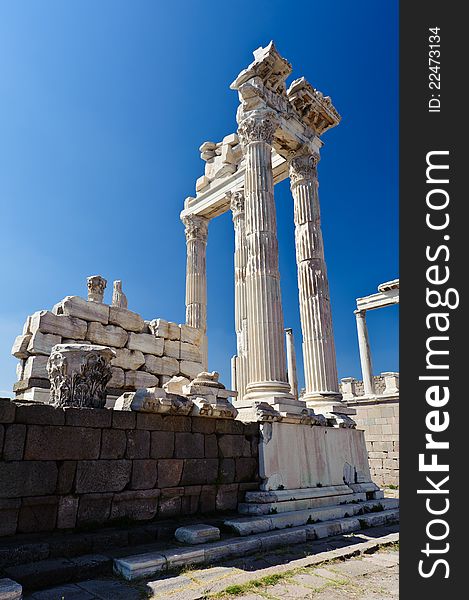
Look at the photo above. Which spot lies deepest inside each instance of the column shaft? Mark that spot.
(291, 363)
(196, 277)
(319, 356)
(365, 353)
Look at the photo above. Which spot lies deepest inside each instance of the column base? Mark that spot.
(269, 391)
(327, 402)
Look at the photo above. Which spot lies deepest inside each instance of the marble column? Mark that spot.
(267, 365)
(319, 356)
(240, 262)
(196, 277)
(291, 362)
(365, 353)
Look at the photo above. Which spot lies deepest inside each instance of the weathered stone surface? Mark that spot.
(227, 497)
(231, 445)
(27, 478)
(246, 469)
(7, 410)
(162, 444)
(190, 352)
(94, 509)
(123, 420)
(190, 369)
(165, 329)
(161, 365)
(169, 472)
(170, 503)
(9, 511)
(146, 343)
(126, 319)
(39, 414)
(74, 306)
(136, 505)
(42, 343)
(199, 471)
(226, 471)
(176, 385)
(102, 476)
(67, 512)
(13, 446)
(36, 366)
(130, 360)
(211, 446)
(201, 425)
(172, 348)
(197, 534)
(38, 514)
(113, 443)
(20, 370)
(10, 590)
(20, 346)
(107, 335)
(66, 476)
(140, 379)
(117, 380)
(88, 417)
(45, 442)
(138, 444)
(191, 335)
(144, 474)
(69, 327)
(189, 445)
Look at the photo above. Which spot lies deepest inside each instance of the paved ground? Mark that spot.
(323, 570)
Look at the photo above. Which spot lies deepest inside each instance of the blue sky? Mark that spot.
(104, 105)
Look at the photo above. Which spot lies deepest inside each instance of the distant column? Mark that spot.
(291, 362)
(365, 353)
(196, 277)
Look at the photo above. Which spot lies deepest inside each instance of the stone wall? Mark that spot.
(360, 389)
(380, 421)
(148, 353)
(73, 468)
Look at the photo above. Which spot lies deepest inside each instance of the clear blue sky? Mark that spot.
(103, 108)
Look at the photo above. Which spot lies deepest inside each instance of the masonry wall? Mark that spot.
(73, 468)
(380, 421)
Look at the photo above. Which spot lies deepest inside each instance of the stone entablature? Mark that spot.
(147, 353)
(63, 468)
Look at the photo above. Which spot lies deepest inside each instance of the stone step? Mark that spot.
(258, 524)
(270, 508)
(259, 497)
(159, 563)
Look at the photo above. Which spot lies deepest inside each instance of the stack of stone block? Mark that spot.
(148, 353)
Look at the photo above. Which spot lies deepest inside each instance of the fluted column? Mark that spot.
(267, 368)
(319, 356)
(365, 352)
(240, 262)
(291, 362)
(196, 277)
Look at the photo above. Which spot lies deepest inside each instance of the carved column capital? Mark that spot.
(96, 286)
(237, 203)
(196, 228)
(303, 168)
(258, 128)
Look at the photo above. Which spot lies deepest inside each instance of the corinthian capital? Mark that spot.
(237, 204)
(196, 227)
(303, 168)
(258, 128)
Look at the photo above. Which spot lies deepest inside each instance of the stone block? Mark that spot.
(146, 343)
(20, 370)
(227, 470)
(161, 365)
(66, 476)
(20, 346)
(9, 511)
(74, 306)
(138, 444)
(189, 352)
(246, 469)
(13, 447)
(123, 419)
(39, 414)
(169, 472)
(113, 443)
(197, 534)
(189, 445)
(207, 498)
(189, 505)
(106, 335)
(102, 476)
(139, 566)
(117, 380)
(45, 442)
(211, 446)
(192, 335)
(63, 325)
(35, 366)
(38, 514)
(190, 369)
(88, 417)
(136, 505)
(227, 497)
(94, 509)
(129, 360)
(162, 444)
(165, 329)
(199, 471)
(203, 425)
(10, 590)
(139, 379)
(163, 422)
(172, 348)
(7, 410)
(169, 506)
(231, 445)
(144, 474)
(126, 319)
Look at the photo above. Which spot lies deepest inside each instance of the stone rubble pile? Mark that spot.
(148, 353)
